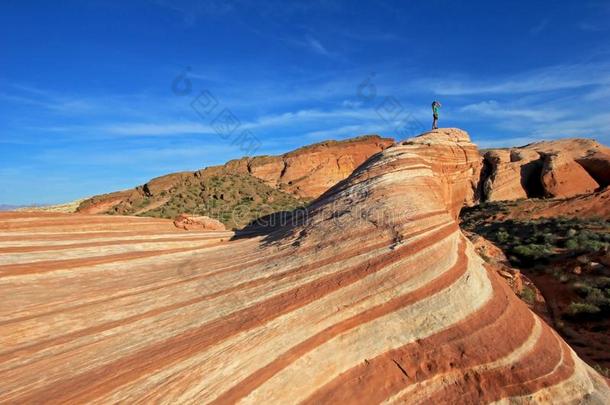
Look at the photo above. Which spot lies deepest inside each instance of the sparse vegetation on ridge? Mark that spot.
(233, 199)
(566, 258)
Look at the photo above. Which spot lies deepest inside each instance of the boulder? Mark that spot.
(201, 223)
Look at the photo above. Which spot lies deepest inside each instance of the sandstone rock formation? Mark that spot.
(192, 222)
(302, 174)
(562, 168)
(563, 177)
(311, 170)
(375, 296)
(508, 172)
(597, 164)
(495, 259)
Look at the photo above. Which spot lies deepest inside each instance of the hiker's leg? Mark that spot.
(434, 123)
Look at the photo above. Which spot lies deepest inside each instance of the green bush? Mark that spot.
(548, 238)
(597, 297)
(572, 244)
(586, 242)
(533, 251)
(580, 308)
(502, 236)
(602, 282)
(528, 294)
(582, 289)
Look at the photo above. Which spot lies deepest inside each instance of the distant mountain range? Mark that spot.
(10, 207)
(70, 206)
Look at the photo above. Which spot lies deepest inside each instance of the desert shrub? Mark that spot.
(592, 245)
(572, 244)
(582, 288)
(502, 236)
(602, 282)
(581, 308)
(528, 294)
(532, 251)
(586, 241)
(549, 238)
(598, 298)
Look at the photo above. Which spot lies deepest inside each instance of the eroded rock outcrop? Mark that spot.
(563, 177)
(511, 174)
(300, 175)
(373, 296)
(558, 169)
(309, 171)
(597, 164)
(194, 222)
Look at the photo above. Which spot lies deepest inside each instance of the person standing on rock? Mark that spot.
(435, 107)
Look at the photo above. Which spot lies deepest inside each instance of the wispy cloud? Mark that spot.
(541, 26)
(591, 27)
(50, 102)
(345, 131)
(311, 115)
(317, 46)
(541, 80)
(146, 129)
(191, 11)
(495, 110)
(361, 35)
(596, 125)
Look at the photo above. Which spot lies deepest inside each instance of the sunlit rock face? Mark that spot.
(372, 296)
(304, 173)
(557, 169)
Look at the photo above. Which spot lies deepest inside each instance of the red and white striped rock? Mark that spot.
(376, 297)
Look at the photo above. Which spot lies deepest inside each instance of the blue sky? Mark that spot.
(97, 96)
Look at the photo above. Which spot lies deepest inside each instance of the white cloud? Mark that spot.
(63, 105)
(344, 131)
(315, 115)
(600, 93)
(589, 26)
(595, 125)
(493, 109)
(317, 46)
(541, 26)
(136, 129)
(541, 80)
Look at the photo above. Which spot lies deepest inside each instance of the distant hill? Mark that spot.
(65, 207)
(243, 189)
(9, 207)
